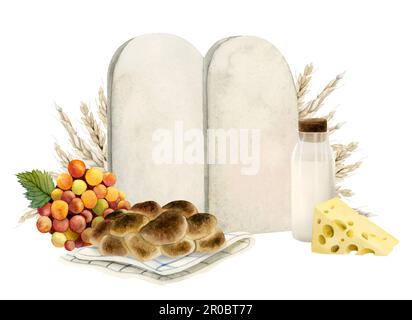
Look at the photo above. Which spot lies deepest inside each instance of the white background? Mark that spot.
(59, 51)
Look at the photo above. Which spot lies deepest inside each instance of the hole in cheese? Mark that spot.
(365, 235)
(352, 247)
(341, 225)
(322, 240)
(326, 211)
(349, 234)
(332, 207)
(350, 223)
(334, 249)
(384, 239)
(319, 221)
(366, 251)
(328, 231)
(342, 240)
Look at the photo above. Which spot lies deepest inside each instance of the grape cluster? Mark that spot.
(82, 198)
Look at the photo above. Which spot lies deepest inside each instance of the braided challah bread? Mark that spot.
(148, 230)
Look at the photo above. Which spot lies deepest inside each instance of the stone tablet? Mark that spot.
(249, 87)
(155, 83)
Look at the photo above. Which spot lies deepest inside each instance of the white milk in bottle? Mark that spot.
(313, 175)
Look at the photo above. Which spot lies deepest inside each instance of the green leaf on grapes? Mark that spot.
(39, 186)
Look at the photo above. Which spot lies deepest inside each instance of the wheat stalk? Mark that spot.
(102, 111)
(347, 193)
(102, 107)
(54, 175)
(29, 214)
(302, 84)
(330, 115)
(63, 157)
(310, 108)
(97, 136)
(81, 148)
(364, 213)
(342, 152)
(336, 127)
(343, 171)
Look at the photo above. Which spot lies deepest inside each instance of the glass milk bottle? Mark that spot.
(313, 175)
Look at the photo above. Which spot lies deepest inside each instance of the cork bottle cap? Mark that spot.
(313, 125)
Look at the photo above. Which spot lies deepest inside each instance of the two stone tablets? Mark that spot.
(217, 131)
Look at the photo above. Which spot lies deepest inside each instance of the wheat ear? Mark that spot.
(81, 148)
(343, 171)
(29, 214)
(342, 151)
(302, 84)
(102, 107)
(347, 193)
(97, 135)
(336, 127)
(330, 115)
(314, 105)
(364, 213)
(64, 158)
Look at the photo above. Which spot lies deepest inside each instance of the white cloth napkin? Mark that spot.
(162, 269)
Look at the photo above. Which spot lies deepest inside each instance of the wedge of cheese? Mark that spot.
(338, 229)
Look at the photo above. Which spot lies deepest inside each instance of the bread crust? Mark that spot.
(129, 223)
(112, 246)
(211, 243)
(150, 209)
(170, 227)
(99, 231)
(179, 249)
(186, 208)
(200, 225)
(140, 248)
